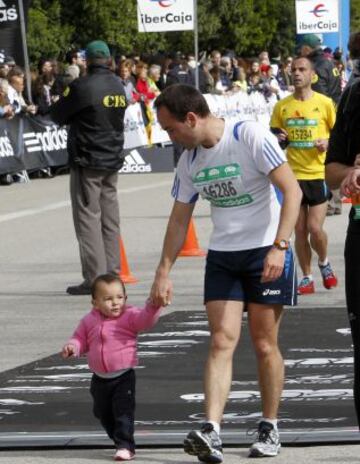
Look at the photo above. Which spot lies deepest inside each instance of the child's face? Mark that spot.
(109, 299)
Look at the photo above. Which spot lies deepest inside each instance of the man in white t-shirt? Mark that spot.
(240, 168)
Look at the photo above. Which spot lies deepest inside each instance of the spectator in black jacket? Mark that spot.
(94, 108)
(343, 170)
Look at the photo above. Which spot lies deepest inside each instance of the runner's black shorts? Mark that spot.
(236, 276)
(315, 192)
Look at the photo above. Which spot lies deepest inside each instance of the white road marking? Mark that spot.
(65, 204)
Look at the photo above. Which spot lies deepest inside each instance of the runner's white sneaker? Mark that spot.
(267, 443)
(205, 444)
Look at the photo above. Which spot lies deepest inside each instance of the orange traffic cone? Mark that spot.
(125, 273)
(191, 244)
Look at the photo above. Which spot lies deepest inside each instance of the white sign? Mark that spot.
(316, 16)
(165, 15)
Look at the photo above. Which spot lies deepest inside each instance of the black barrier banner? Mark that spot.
(34, 142)
(10, 31)
(11, 146)
(146, 160)
(31, 143)
(44, 143)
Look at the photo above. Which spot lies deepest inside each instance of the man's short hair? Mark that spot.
(108, 279)
(354, 45)
(181, 99)
(72, 55)
(297, 58)
(16, 71)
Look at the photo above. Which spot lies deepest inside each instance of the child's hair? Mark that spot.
(108, 279)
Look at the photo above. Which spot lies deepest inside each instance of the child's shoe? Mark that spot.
(124, 454)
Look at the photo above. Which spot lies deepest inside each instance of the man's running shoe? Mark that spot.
(267, 443)
(306, 286)
(205, 444)
(328, 276)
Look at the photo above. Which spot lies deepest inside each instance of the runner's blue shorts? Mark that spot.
(236, 275)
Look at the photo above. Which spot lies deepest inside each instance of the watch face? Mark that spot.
(283, 243)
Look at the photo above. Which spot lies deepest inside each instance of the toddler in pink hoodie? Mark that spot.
(108, 337)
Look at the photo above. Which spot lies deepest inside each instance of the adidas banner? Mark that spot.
(31, 143)
(10, 31)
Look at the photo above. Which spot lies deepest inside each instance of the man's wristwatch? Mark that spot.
(281, 244)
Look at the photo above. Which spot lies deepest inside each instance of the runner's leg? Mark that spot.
(225, 327)
(318, 237)
(302, 245)
(264, 322)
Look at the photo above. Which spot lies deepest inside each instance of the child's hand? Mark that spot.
(68, 351)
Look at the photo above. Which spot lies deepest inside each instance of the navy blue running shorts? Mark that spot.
(315, 192)
(236, 275)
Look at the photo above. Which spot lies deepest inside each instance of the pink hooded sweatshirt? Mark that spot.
(111, 343)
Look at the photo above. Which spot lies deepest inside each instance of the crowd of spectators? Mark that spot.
(145, 76)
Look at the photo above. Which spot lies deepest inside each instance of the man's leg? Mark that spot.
(110, 221)
(303, 252)
(318, 236)
(302, 245)
(85, 189)
(225, 327)
(264, 322)
(319, 241)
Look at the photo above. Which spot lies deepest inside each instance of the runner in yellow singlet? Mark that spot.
(302, 123)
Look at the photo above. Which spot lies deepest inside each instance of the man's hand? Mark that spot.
(351, 183)
(161, 291)
(281, 135)
(273, 265)
(321, 145)
(68, 351)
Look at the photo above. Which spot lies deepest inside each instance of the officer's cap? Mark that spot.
(311, 40)
(97, 49)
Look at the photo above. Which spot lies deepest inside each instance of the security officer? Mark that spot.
(94, 107)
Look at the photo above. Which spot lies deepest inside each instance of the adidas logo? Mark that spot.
(7, 14)
(54, 138)
(135, 163)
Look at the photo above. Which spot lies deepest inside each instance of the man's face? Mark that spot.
(18, 83)
(305, 50)
(215, 59)
(79, 60)
(182, 132)
(124, 72)
(302, 73)
(47, 67)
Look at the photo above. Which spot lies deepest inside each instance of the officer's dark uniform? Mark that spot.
(94, 107)
(327, 76)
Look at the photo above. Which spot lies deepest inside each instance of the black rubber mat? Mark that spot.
(51, 396)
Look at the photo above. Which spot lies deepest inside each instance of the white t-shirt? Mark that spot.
(233, 176)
